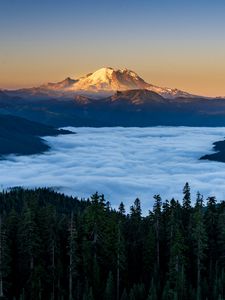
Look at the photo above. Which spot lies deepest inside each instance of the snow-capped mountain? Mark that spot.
(59, 85)
(109, 79)
(103, 82)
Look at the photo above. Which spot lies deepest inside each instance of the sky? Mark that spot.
(178, 44)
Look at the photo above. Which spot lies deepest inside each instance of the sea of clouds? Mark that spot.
(123, 163)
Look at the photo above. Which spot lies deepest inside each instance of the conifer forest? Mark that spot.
(57, 247)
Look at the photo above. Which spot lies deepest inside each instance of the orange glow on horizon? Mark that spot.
(206, 83)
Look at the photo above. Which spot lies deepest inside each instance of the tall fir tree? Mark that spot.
(200, 241)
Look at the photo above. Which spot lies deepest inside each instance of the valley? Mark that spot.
(123, 163)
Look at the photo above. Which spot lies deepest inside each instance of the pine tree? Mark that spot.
(138, 292)
(199, 238)
(94, 226)
(30, 244)
(132, 295)
(187, 197)
(109, 289)
(134, 230)
(124, 295)
(121, 209)
(157, 220)
(135, 210)
(186, 225)
(120, 262)
(221, 250)
(88, 294)
(152, 294)
(211, 225)
(11, 253)
(73, 259)
(166, 294)
(149, 255)
(2, 240)
(176, 274)
(96, 279)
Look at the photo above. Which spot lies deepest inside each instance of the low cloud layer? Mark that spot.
(123, 163)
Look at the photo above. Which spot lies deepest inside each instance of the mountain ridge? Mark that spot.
(24, 137)
(125, 108)
(101, 83)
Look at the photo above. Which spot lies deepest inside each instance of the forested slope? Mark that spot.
(21, 136)
(57, 247)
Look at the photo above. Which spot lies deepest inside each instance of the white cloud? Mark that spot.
(123, 163)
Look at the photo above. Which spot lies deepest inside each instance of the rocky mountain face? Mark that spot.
(137, 97)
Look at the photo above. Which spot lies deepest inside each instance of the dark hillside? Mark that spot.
(21, 136)
(58, 247)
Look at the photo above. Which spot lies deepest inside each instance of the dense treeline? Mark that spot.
(56, 247)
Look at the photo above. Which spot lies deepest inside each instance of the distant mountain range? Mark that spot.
(111, 97)
(103, 82)
(106, 97)
(125, 108)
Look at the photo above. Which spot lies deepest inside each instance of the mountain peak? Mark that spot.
(109, 79)
(103, 82)
(102, 75)
(66, 83)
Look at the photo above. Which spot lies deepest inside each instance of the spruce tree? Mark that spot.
(187, 197)
(211, 218)
(152, 294)
(109, 289)
(199, 239)
(157, 223)
(73, 256)
(124, 295)
(121, 209)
